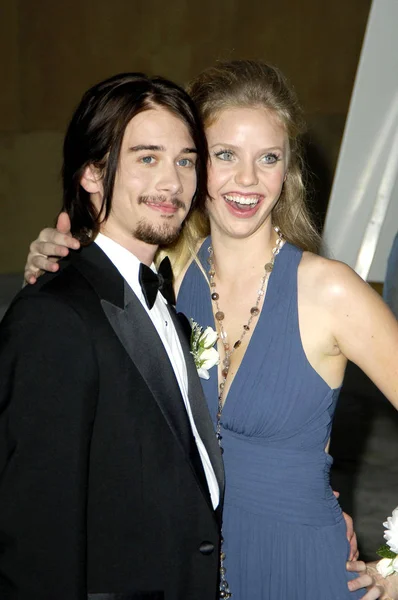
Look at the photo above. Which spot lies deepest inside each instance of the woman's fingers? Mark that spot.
(63, 222)
(57, 238)
(48, 249)
(50, 246)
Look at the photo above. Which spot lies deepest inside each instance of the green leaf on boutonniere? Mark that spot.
(385, 552)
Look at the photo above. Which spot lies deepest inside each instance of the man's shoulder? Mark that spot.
(66, 290)
(84, 279)
(65, 284)
(87, 270)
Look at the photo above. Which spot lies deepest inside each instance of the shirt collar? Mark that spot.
(125, 262)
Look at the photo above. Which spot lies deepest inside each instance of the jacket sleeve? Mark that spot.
(48, 393)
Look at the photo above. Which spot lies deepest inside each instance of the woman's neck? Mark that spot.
(242, 257)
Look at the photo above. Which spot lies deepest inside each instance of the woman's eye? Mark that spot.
(185, 162)
(224, 155)
(270, 159)
(147, 160)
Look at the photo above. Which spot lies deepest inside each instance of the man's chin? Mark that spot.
(156, 236)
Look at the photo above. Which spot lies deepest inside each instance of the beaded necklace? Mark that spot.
(228, 350)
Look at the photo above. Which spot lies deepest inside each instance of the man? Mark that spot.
(110, 470)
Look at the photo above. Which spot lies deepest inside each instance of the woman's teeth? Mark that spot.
(243, 200)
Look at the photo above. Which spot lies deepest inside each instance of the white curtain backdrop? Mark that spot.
(362, 217)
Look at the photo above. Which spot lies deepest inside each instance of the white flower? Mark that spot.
(205, 356)
(385, 567)
(203, 373)
(391, 533)
(389, 563)
(208, 337)
(209, 358)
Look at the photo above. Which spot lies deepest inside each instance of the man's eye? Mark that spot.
(185, 162)
(147, 160)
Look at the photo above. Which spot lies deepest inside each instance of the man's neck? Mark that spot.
(143, 251)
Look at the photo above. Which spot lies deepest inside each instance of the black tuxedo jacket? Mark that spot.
(102, 493)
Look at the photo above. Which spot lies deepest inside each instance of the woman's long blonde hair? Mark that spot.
(252, 84)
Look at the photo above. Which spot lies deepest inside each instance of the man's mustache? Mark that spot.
(160, 200)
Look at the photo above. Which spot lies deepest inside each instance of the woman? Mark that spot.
(288, 321)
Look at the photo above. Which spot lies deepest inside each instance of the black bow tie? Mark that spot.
(152, 283)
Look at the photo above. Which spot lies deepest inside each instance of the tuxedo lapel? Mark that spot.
(138, 336)
(141, 341)
(197, 400)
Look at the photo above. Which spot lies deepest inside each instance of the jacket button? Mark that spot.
(206, 547)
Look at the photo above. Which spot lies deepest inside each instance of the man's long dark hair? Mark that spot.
(95, 134)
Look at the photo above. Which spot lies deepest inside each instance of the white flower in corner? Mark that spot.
(391, 533)
(202, 342)
(389, 563)
(385, 567)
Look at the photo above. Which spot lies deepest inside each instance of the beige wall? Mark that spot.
(52, 51)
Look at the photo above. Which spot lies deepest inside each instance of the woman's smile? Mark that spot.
(243, 205)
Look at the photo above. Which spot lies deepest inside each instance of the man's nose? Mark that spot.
(170, 180)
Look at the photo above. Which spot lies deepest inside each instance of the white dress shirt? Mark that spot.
(128, 266)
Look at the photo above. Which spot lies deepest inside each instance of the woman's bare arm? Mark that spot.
(364, 328)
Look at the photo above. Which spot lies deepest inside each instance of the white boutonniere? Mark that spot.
(389, 563)
(202, 350)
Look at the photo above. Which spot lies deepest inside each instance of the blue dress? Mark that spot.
(285, 536)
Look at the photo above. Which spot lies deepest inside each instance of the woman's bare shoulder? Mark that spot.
(328, 278)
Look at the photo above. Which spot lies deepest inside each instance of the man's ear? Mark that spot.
(91, 180)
